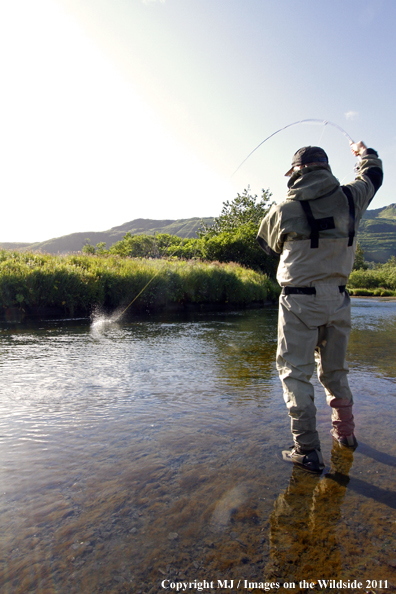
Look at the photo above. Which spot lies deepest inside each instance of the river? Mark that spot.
(138, 455)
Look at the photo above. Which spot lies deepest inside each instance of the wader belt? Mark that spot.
(317, 225)
(306, 290)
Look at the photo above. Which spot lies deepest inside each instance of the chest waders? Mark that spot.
(314, 307)
(322, 324)
(323, 224)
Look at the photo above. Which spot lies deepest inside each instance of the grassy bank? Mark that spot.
(379, 281)
(35, 283)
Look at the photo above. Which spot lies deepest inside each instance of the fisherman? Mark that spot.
(314, 231)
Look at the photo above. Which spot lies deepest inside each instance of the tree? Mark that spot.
(135, 246)
(232, 237)
(241, 211)
(101, 248)
(359, 263)
(88, 248)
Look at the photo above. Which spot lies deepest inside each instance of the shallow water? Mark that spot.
(133, 453)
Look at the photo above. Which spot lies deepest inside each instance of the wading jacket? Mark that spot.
(314, 229)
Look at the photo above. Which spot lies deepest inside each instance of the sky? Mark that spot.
(113, 110)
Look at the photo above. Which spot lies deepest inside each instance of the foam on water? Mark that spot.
(100, 322)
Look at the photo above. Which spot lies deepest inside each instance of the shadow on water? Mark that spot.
(376, 455)
(149, 452)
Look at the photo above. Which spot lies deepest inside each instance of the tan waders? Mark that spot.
(314, 232)
(308, 325)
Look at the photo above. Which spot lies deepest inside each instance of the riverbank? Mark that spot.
(383, 293)
(35, 285)
(374, 282)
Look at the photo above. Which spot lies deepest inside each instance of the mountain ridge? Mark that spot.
(376, 234)
(74, 242)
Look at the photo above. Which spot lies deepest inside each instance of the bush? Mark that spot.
(379, 281)
(231, 238)
(238, 246)
(383, 276)
(77, 284)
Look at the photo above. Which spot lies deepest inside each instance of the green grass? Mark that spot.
(379, 281)
(372, 293)
(77, 284)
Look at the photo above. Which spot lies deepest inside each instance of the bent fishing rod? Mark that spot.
(324, 122)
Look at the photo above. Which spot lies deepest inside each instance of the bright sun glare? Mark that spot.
(81, 149)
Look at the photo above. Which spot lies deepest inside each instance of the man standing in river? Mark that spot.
(314, 231)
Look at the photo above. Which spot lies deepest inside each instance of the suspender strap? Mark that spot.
(351, 204)
(314, 237)
(317, 225)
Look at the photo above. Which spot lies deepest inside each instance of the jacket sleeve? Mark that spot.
(269, 236)
(369, 176)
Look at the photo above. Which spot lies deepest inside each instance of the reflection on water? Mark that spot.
(308, 513)
(133, 453)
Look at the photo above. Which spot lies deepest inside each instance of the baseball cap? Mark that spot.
(308, 154)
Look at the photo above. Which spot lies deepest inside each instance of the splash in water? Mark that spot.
(100, 322)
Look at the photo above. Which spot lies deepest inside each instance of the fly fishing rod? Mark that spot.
(324, 122)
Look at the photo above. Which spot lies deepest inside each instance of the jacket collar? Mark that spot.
(311, 182)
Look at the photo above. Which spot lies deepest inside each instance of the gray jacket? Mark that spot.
(314, 229)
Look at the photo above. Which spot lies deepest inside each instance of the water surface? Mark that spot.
(138, 452)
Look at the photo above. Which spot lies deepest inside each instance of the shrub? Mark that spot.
(79, 283)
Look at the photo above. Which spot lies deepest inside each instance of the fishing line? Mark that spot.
(134, 299)
(324, 122)
(145, 286)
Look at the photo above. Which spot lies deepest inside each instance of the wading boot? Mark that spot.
(311, 461)
(347, 441)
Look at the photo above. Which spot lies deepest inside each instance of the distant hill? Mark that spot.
(376, 234)
(386, 212)
(76, 241)
(14, 246)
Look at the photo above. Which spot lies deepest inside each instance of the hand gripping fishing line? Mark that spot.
(324, 122)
